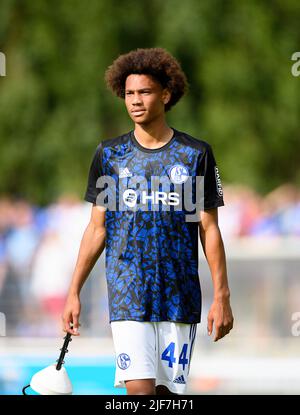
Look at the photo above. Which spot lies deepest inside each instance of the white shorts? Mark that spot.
(153, 350)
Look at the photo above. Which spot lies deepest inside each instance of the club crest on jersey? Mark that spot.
(123, 361)
(178, 174)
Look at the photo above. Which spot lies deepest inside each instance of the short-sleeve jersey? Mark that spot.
(152, 251)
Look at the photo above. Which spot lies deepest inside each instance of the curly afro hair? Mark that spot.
(157, 62)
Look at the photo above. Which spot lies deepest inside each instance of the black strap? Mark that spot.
(23, 390)
(64, 350)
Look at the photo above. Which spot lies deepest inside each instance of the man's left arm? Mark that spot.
(220, 313)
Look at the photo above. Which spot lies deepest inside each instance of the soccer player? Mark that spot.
(151, 244)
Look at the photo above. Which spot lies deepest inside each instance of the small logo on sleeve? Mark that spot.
(123, 361)
(218, 182)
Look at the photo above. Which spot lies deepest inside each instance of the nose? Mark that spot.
(137, 98)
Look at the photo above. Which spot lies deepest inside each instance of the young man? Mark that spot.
(152, 251)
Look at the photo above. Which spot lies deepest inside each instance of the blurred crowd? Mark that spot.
(39, 247)
(38, 250)
(246, 213)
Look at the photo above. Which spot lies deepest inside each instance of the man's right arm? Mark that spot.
(91, 247)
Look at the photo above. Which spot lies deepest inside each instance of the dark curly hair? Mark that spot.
(157, 62)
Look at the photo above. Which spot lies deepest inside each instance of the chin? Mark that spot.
(143, 123)
(140, 120)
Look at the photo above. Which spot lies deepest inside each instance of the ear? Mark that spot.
(166, 96)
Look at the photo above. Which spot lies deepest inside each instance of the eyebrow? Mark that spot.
(139, 90)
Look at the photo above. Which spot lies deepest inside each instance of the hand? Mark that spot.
(220, 315)
(71, 313)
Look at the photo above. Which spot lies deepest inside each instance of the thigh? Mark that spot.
(140, 387)
(175, 345)
(134, 344)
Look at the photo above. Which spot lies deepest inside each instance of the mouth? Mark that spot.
(137, 113)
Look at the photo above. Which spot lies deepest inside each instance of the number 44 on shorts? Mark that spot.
(169, 355)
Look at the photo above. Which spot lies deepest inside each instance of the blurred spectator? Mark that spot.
(242, 209)
(55, 259)
(21, 239)
(51, 272)
(3, 266)
(278, 213)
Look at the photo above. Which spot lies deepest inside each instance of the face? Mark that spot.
(145, 98)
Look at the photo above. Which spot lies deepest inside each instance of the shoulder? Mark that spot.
(115, 141)
(193, 142)
(111, 144)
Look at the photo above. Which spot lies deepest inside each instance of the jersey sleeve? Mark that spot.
(96, 171)
(213, 191)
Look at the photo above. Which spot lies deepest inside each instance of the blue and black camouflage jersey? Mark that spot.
(152, 250)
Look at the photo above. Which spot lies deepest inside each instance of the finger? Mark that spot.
(75, 324)
(218, 333)
(228, 327)
(225, 331)
(63, 324)
(210, 325)
(67, 326)
(222, 332)
(72, 329)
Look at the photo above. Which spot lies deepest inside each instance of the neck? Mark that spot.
(153, 136)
